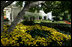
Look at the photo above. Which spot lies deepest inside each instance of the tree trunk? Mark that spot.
(2, 18)
(19, 17)
(16, 20)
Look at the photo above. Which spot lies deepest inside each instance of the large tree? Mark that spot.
(58, 8)
(28, 4)
(3, 5)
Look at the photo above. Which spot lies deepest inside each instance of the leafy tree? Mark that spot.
(40, 17)
(19, 3)
(28, 4)
(58, 8)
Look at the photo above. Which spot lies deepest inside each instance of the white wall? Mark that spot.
(8, 11)
(15, 12)
(48, 15)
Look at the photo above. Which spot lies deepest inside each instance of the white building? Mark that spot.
(48, 15)
(13, 10)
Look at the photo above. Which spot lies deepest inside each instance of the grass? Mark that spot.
(48, 21)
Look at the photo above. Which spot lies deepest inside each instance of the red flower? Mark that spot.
(4, 17)
(67, 22)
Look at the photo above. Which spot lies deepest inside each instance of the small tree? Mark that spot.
(33, 18)
(25, 18)
(40, 17)
(44, 17)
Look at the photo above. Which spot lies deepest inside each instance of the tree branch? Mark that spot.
(2, 4)
(21, 13)
(51, 7)
(36, 3)
(8, 3)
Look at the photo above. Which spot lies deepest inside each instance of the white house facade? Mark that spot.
(12, 11)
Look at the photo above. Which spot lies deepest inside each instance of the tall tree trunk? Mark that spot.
(20, 14)
(19, 17)
(2, 18)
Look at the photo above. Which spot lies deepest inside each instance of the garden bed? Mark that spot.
(61, 26)
(34, 35)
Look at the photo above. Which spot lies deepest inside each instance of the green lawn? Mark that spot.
(39, 21)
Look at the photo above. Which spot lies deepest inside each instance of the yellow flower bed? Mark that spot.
(19, 36)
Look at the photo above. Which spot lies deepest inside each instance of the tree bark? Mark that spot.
(20, 15)
(2, 18)
(5, 4)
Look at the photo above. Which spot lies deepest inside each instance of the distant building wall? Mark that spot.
(15, 12)
(8, 11)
